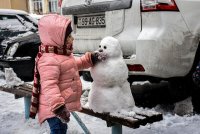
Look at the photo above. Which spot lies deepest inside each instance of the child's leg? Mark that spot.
(56, 126)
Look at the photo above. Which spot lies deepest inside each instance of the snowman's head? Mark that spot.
(111, 47)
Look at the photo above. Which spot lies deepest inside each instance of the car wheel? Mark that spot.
(180, 88)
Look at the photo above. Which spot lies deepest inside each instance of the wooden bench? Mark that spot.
(141, 117)
(25, 91)
(19, 91)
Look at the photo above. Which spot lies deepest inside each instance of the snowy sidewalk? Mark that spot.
(13, 122)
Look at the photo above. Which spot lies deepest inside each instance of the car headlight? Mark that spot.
(11, 51)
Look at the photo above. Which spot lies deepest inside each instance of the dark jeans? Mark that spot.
(56, 126)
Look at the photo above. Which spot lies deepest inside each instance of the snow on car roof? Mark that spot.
(12, 11)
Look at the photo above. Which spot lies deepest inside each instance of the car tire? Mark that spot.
(180, 88)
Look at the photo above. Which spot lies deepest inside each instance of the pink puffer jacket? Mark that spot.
(60, 81)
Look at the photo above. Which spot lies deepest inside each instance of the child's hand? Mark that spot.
(102, 56)
(97, 57)
(94, 57)
(63, 114)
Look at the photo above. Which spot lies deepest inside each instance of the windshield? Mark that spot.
(11, 22)
(28, 21)
(16, 23)
(13, 25)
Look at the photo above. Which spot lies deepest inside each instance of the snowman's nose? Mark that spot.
(100, 50)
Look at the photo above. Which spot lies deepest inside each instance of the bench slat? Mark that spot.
(16, 91)
(129, 121)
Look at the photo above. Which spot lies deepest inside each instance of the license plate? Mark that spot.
(96, 21)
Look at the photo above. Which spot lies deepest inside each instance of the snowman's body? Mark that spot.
(110, 72)
(110, 89)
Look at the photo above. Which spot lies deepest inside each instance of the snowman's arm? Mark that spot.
(84, 61)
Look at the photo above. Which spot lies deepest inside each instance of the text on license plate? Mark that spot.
(97, 21)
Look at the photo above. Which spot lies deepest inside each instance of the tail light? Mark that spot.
(158, 5)
(136, 67)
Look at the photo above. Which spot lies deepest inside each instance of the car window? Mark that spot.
(11, 22)
(30, 23)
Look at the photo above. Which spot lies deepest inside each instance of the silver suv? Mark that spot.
(159, 38)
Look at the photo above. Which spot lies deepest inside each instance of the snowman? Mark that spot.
(110, 89)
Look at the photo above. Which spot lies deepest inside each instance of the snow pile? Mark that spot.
(9, 78)
(184, 107)
(2, 78)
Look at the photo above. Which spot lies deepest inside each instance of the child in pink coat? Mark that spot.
(57, 85)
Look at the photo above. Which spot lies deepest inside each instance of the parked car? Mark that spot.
(36, 16)
(159, 38)
(19, 42)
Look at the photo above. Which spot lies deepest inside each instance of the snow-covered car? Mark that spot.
(159, 38)
(36, 16)
(19, 41)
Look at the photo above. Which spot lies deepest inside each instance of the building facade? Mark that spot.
(43, 6)
(32, 6)
(15, 4)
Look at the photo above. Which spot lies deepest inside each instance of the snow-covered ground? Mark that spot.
(13, 121)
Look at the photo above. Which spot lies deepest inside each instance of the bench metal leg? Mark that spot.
(80, 122)
(117, 129)
(27, 104)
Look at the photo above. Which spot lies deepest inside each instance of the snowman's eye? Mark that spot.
(104, 47)
(99, 46)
